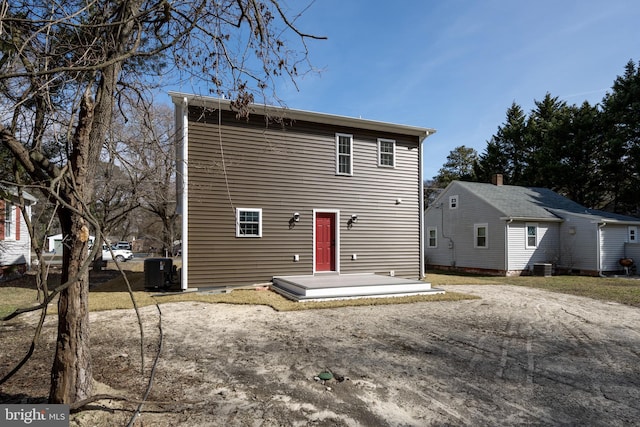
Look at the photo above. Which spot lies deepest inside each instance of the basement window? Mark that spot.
(248, 222)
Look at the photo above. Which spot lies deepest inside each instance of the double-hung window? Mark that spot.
(248, 222)
(432, 237)
(386, 153)
(480, 236)
(633, 234)
(8, 220)
(344, 154)
(532, 235)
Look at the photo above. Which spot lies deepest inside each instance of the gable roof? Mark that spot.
(536, 203)
(11, 192)
(224, 104)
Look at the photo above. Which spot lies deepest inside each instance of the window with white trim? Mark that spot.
(531, 231)
(453, 202)
(633, 234)
(248, 222)
(344, 154)
(386, 153)
(432, 237)
(480, 236)
(8, 220)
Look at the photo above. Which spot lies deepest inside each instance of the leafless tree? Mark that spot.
(65, 66)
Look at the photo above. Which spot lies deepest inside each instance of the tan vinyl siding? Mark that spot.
(292, 169)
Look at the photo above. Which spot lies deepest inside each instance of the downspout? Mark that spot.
(421, 228)
(182, 117)
(598, 256)
(506, 246)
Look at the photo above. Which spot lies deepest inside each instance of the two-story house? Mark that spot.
(290, 192)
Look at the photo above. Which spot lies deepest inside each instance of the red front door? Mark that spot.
(325, 241)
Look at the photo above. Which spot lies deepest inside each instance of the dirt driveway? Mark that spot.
(516, 356)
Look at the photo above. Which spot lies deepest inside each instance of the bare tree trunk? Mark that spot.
(71, 373)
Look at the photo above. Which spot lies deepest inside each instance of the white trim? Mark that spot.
(337, 236)
(337, 139)
(526, 235)
(486, 236)
(249, 236)
(11, 209)
(393, 153)
(182, 119)
(454, 201)
(434, 229)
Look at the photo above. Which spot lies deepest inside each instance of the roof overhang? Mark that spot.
(302, 115)
(530, 219)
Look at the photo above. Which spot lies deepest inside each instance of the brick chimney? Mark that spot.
(496, 179)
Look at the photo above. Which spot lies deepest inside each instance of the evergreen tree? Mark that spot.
(459, 166)
(621, 168)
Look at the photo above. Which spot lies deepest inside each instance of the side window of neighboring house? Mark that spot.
(387, 153)
(344, 154)
(532, 235)
(248, 222)
(8, 221)
(633, 234)
(480, 234)
(453, 202)
(432, 239)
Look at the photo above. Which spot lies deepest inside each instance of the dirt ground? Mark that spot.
(516, 356)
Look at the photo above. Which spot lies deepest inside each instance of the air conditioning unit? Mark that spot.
(159, 274)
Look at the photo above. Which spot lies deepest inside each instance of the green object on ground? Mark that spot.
(325, 376)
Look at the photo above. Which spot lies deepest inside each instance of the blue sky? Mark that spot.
(456, 65)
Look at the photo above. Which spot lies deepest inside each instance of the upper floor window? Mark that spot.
(633, 234)
(387, 153)
(453, 202)
(532, 235)
(481, 236)
(344, 154)
(432, 237)
(248, 222)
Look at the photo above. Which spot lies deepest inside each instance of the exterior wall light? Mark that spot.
(296, 217)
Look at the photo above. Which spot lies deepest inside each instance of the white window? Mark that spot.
(387, 153)
(480, 236)
(344, 154)
(248, 222)
(453, 202)
(432, 237)
(633, 234)
(532, 235)
(8, 221)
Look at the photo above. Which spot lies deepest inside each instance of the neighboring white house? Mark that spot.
(15, 241)
(505, 229)
(54, 243)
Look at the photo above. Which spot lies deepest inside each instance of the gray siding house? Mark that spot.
(15, 240)
(290, 192)
(505, 230)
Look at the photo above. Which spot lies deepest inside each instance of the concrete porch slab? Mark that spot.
(327, 286)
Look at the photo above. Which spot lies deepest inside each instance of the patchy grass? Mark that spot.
(112, 294)
(622, 290)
